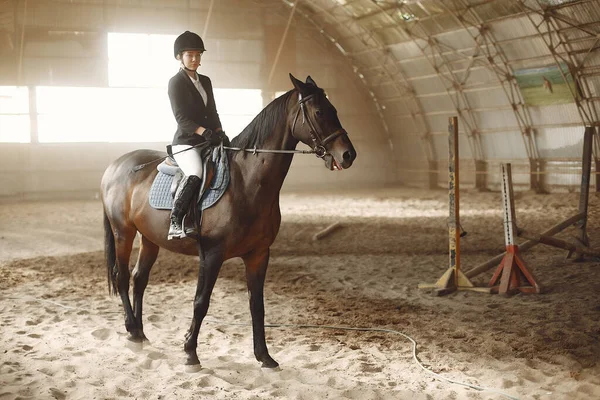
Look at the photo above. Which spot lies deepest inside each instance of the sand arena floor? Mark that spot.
(63, 337)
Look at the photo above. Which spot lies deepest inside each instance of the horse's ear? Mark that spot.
(310, 81)
(299, 85)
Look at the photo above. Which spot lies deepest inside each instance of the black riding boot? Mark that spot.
(188, 187)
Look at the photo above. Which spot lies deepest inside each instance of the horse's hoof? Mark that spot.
(192, 369)
(268, 362)
(192, 359)
(137, 337)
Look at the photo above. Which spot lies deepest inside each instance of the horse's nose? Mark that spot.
(348, 157)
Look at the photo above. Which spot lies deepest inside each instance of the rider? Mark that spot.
(193, 104)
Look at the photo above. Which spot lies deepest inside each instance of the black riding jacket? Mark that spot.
(189, 108)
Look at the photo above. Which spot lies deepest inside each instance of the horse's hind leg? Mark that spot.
(207, 276)
(123, 244)
(256, 271)
(141, 272)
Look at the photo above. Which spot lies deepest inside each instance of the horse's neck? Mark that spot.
(264, 173)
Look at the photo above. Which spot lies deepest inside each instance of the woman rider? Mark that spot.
(193, 104)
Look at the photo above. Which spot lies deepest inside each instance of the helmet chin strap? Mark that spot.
(190, 70)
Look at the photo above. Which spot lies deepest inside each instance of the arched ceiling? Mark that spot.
(424, 60)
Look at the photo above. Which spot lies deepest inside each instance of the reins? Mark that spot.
(318, 143)
(253, 151)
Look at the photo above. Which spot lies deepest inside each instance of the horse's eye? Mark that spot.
(318, 112)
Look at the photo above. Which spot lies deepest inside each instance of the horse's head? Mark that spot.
(320, 127)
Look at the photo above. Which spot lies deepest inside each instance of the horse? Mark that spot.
(243, 223)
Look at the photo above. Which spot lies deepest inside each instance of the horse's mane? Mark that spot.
(263, 124)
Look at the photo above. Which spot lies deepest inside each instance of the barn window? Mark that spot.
(135, 107)
(14, 114)
(92, 114)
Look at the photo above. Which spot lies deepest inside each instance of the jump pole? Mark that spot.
(453, 279)
(579, 219)
(512, 274)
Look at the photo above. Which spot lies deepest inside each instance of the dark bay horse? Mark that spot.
(244, 223)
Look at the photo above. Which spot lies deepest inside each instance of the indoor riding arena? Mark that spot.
(392, 199)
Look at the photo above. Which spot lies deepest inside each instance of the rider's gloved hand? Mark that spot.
(211, 137)
(224, 138)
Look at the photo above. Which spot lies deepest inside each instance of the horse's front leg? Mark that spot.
(256, 271)
(210, 264)
(141, 272)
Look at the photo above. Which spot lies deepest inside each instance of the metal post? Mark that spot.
(586, 169)
(453, 279)
(454, 198)
(510, 220)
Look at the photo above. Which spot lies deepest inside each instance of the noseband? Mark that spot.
(318, 143)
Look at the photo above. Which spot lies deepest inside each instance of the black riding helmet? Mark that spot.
(188, 41)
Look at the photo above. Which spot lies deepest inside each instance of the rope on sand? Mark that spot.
(349, 328)
(343, 328)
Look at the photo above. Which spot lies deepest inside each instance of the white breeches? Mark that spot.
(189, 161)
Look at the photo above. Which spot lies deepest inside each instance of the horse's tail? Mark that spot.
(110, 256)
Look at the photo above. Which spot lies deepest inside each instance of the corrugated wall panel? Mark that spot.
(483, 76)
(391, 35)
(415, 68)
(554, 114)
(565, 142)
(503, 146)
(439, 123)
(412, 165)
(396, 93)
(409, 148)
(400, 125)
(495, 9)
(437, 103)
(440, 142)
(363, 127)
(512, 28)
(405, 50)
(528, 51)
(492, 97)
(587, 12)
(428, 85)
(459, 40)
(496, 120)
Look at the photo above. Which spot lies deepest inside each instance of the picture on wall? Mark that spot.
(543, 86)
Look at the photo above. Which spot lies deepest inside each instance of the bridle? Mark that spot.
(318, 143)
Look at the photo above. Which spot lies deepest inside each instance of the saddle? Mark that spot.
(215, 180)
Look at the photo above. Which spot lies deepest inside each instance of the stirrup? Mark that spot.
(175, 232)
(188, 231)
